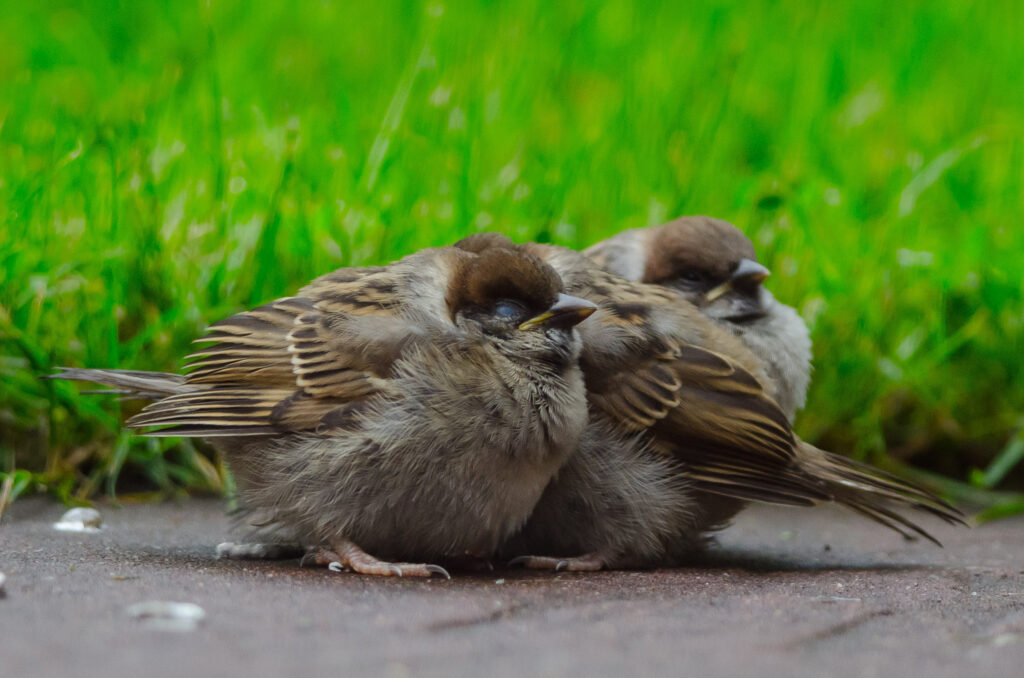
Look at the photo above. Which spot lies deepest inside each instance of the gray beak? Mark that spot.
(750, 270)
(747, 274)
(566, 312)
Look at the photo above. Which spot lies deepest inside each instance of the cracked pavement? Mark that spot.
(787, 592)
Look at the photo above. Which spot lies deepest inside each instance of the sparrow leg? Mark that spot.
(588, 562)
(344, 555)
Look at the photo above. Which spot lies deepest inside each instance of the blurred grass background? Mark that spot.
(165, 164)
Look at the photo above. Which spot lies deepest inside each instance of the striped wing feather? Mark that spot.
(291, 365)
(735, 442)
(710, 411)
(713, 416)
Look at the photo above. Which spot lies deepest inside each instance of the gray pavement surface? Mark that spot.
(788, 592)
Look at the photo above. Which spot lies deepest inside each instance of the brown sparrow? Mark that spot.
(681, 435)
(416, 410)
(712, 264)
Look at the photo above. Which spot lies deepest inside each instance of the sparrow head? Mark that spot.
(712, 264)
(516, 301)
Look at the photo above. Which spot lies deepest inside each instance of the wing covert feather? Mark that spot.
(295, 364)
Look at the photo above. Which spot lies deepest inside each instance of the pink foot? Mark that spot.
(346, 556)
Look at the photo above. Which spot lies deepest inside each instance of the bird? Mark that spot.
(712, 264)
(386, 417)
(682, 435)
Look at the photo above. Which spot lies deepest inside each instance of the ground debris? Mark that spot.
(167, 616)
(80, 519)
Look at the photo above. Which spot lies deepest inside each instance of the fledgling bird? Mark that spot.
(713, 265)
(682, 435)
(416, 411)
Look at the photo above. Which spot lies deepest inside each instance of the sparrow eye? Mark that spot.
(691, 276)
(506, 309)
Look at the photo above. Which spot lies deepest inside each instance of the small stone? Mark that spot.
(1004, 639)
(167, 616)
(80, 520)
(256, 551)
(3, 580)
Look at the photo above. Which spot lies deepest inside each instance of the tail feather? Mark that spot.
(889, 518)
(873, 493)
(879, 483)
(132, 384)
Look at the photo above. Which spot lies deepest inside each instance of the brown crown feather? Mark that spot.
(501, 273)
(696, 243)
(478, 242)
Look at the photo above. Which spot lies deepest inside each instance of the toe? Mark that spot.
(321, 556)
(535, 562)
(584, 563)
(348, 555)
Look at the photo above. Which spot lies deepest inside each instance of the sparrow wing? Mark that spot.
(712, 414)
(708, 408)
(301, 363)
(714, 417)
(647, 370)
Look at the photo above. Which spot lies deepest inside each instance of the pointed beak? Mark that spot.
(566, 312)
(748, 271)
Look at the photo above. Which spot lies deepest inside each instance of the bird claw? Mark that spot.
(590, 562)
(437, 569)
(335, 566)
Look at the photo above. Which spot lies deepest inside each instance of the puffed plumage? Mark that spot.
(416, 411)
(682, 435)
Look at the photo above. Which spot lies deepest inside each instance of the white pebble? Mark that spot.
(253, 551)
(167, 616)
(80, 520)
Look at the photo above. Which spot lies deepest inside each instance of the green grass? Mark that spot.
(164, 164)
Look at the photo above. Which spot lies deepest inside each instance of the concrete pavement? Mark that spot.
(788, 592)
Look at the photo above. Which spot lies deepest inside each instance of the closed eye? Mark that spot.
(693, 280)
(506, 309)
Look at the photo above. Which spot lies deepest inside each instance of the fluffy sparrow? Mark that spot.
(416, 411)
(712, 264)
(681, 435)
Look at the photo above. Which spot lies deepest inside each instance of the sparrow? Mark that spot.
(682, 434)
(387, 416)
(713, 265)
